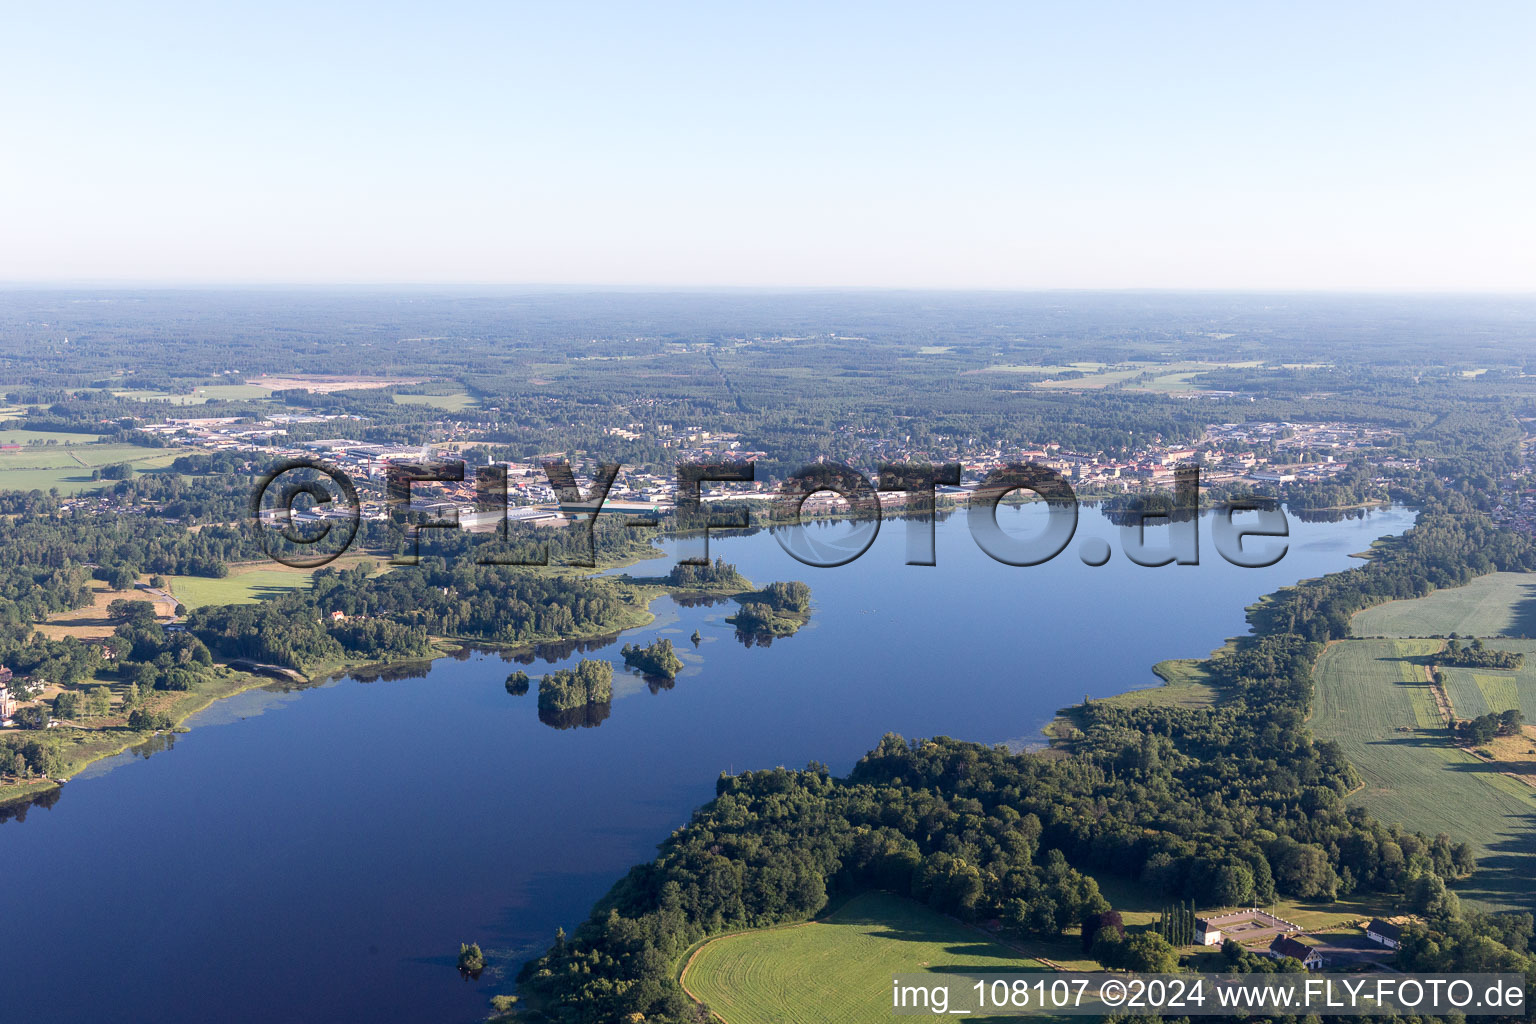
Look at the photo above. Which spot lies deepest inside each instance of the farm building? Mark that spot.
(1384, 934)
(1285, 946)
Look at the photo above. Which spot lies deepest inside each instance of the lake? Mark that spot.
(319, 854)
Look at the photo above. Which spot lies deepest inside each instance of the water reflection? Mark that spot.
(160, 741)
(556, 650)
(754, 638)
(18, 811)
(656, 683)
(337, 814)
(697, 600)
(391, 672)
(1327, 515)
(588, 716)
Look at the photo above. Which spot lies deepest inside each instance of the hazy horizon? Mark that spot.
(1198, 147)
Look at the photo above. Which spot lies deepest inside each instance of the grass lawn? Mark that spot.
(1498, 604)
(838, 971)
(1374, 700)
(237, 588)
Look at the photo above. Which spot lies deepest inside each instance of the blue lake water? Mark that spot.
(318, 855)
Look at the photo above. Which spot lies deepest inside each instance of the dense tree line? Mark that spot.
(458, 598)
(152, 657)
(770, 848)
(1476, 655)
(718, 573)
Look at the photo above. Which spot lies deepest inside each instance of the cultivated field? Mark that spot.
(1374, 699)
(199, 396)
(12, 434)
(1135, 375)
(1475, 692)
(1498, 604)
(838, 971)
(456, 402)
(324, 384)
(68, 465)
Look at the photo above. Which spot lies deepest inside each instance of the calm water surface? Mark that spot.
(318, 855)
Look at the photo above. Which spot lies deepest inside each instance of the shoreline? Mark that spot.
(645, 594)
(1182, 678)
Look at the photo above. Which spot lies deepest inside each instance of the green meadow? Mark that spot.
(251, 582)
(838, 970)
(237, 588)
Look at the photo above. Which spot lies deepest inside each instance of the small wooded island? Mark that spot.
(590, 682)
(657, 659)
(779, 609)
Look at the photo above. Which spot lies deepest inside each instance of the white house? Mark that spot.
(1207, 934)
(1285, 946)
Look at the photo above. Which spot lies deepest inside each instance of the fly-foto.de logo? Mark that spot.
(310, 533)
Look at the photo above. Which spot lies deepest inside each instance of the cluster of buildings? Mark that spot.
(1262, 932)
(1260, 453)
(1263, 453)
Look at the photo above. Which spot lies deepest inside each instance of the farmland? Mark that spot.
(12, 434)
(67, 465)
(1475, 692)
(199, 395)
(837, 971)
(1498, 604)
(258, 581)
(456, 401)
(1134, 375)
(1374, 699)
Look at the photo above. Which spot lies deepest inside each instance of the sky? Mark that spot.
(1231, 145)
